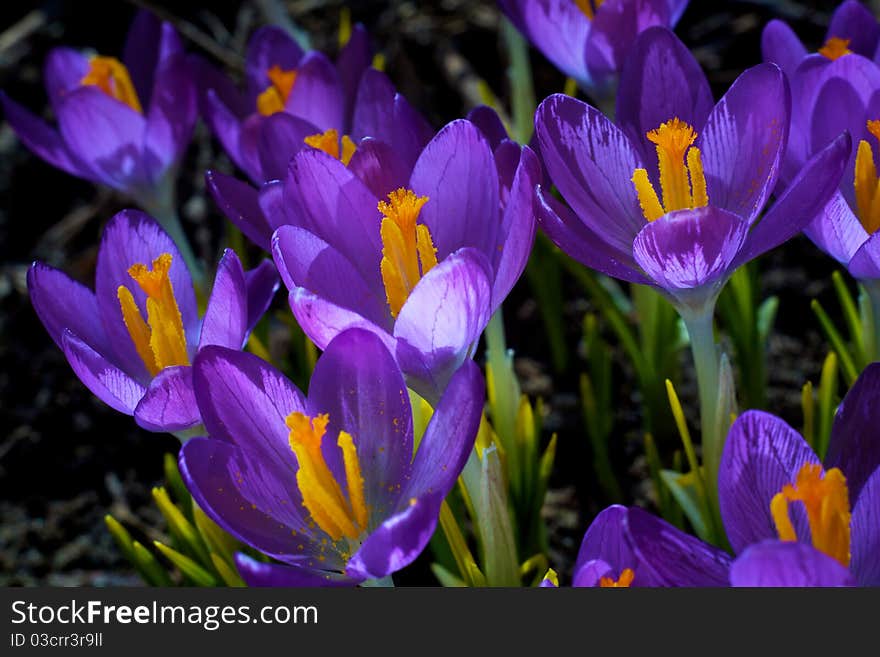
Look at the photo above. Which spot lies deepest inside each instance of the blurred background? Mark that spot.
(66, 459)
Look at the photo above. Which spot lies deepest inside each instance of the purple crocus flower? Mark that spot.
(295, 101)
(853, 29)
(132, 340)
(589, 40)
(125, 124)
(422, 268)
(671, 196)
(327, 483)
(773, 487)
(631, 547)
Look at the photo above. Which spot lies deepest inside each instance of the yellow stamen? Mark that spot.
(111, 76)
(835, 48)
(322, 495)
(160, 341)
(274, 97)
(408, 251)
(826, 502)
(552, 577)
(867, 183)
(328, 141)
(682, 179)
(589, 7)
(626, 578)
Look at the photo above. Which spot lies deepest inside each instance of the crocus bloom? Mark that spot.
(297, 101)
(771, 485)
(631, 547)
(326, 484)
(132, 340)
(853, 29)
(424, 267)
(672, 196)
(126, 123)
(589, 40)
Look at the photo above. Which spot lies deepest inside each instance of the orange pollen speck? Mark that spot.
(111, 76)
(589, 7)
(274, 97)
(160, 341)
(408, 251)
(682, 180)
(826, 502)
(329, 142)
(835, 48)
(627, 575)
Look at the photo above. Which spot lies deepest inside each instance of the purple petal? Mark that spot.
(269, 46)
(577, 240)
(259, 573)
(225, 321)
(239, 202)
(106, 134)
(226, 125)
(441, 321)
(62, 303)
(172, 115)
(43, 140)
(306, 261)
(411, 132)
(374, 108)
(487, 120)
(776, 564)
(169, 403)
(865, 263)
(317, 94)
(354, 59)
(397, 541)
(853, 21)
(380, 167)
(322, 320)
(255, 500)
(106, 381)
(261, 283)
(837, 231)
(282, 136)
(63, 72)
(744, 140)
(615, 28)
(690, 248)
(669, 557)
(865, 532)
(802, 201)
(148, 45)
(357, 382)
(780, 45)
(132, 237)
(449, 437)
(854, 447)
(457, 173)
(838, 108)
(660, 81)
(605, 540)
(591, 161)
(761, 455)
(590, 574)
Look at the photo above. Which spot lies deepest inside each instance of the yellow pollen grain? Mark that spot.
(626, 578)
(160, 341)
(835, 48)
(408, 251)
(111, 76)
(826, 502)
(682, 179)
(274, 97)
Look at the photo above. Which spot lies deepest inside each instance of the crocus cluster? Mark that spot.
(397, 244)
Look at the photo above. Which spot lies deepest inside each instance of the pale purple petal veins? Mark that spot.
(837, 230)
(591, 162)
(761, 455)
(780, 45)
(854, 447)
(787, 564)
(397, 541)
(225, 321)
(865, 532)
(169, 403)
(323, 320)
(442, 319)
(240, 203)
(106, 381)
(690, 249)
(744, 140)
(260, 573)
(457, 172)
(262, 283)
(865, 263)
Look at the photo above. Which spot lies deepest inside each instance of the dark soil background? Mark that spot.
(66, 459)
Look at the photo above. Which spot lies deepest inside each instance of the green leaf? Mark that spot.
(685, 493)
(150, 569)
(198, 575)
